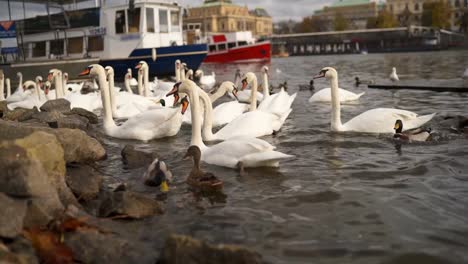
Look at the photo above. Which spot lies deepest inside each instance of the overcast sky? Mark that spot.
(278, 9)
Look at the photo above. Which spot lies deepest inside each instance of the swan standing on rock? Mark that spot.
(240, 152)
(377, 120)
(394, 76)
(20, 94)
(158, 123)
(33, 100)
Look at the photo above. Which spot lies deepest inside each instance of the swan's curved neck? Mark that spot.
(38, 90)
(20, 84)
(58, 86)
(2, 89)
(127, 85)
(218, 94)
(63, 87)
(336, 108)
(182, 74)
(196, 120)
(140, 83)
(253, 95)
(207, 116)
(266, 86)
(146, 81)
(110, 78)
(104, 87)
(177, 74)
(8, 87)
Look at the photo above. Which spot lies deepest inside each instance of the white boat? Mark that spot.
(117, 33)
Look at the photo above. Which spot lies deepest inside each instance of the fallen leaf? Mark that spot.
(48, 247)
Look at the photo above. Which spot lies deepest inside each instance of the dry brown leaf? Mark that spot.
(48, 247)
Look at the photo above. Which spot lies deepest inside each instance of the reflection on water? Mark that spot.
(345, 198)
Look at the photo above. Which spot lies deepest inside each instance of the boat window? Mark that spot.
(212, 48)
(56, 47)
(222, 46)
(39, 49)
(134, 20)
(231, 45)
(75, 45)
(95, 43)
(163, 23)
(175, 21)
(120, 22)
(150, 20)
(242, 43)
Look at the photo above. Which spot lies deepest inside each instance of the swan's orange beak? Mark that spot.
(244, 84)
(46, 90)
(176, 98)
(320, 75)
(50, 76)
(185, 104)
(138, 66)
(174, 90)
(85, 72)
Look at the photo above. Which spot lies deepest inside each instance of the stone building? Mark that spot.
(356, 12)
(216, 16)
(409, 12)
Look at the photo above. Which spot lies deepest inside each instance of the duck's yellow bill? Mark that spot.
(164, 187)
(397, 126)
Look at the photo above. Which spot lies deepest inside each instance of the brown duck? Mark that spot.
(198, 179)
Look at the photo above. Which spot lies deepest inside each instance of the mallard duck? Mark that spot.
(417, 134)
(158, 174)
(198, 179)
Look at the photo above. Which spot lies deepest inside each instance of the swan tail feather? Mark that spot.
(264, 159)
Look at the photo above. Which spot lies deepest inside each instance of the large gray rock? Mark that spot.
(24, 177)
(47, 117)
(20, 114)
(84, 181)
(133, 158)
(91, 246)
(187, 250)
(59, 105)
(77, 145)
(92, 117)
(20, 251)
(127, 204)
(11, 218)
(70, 121)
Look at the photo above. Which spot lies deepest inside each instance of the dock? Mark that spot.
(451, 85)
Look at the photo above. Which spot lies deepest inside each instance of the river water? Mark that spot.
(344, 198)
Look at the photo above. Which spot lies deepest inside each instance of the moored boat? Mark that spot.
(237, 47)
(112, 33)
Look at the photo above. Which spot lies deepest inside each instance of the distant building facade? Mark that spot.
(410, 12)
(218, 16)
(356, 12)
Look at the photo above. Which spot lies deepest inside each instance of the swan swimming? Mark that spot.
(378, 120)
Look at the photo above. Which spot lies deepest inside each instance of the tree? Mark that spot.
(311, 24)
(436, 14)
(340, 23)
(385, 19)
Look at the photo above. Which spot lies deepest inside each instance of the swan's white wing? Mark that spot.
(324, 95)
(226, 112)
(252, 124)
(382, 120)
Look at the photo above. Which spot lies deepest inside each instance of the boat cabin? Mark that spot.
(224, 42)
(110, 31)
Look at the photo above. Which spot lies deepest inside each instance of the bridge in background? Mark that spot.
(412, 38)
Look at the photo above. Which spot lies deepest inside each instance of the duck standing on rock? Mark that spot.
(158, 174)
(199, 180)
(417, 134)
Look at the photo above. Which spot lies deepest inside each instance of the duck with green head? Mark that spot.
(417, 134)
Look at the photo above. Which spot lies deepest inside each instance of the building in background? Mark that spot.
(223, 16)
(354, 13)
(410, 12)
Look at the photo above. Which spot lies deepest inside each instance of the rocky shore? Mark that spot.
(57, 209)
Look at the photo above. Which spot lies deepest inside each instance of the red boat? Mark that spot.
(237, 47)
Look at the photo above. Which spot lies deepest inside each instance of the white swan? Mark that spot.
(225, 112)
(239, 152)
(379, 120)
(33, 100)
(252, 124)
(158, 123)
(20, 94)
(124, 104)
(245, 96)
(324, 95)
(279, 103)
(8, 87)
(2, 86)
(208, 81)
(394, 76)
